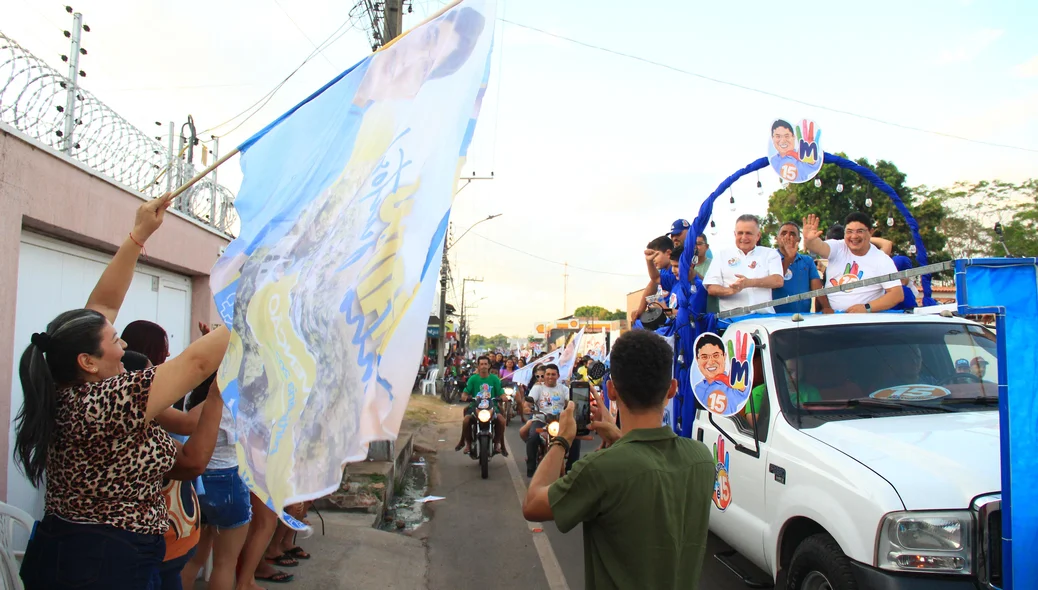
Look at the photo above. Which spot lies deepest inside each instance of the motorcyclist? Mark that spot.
(483, 383)
(549, 399)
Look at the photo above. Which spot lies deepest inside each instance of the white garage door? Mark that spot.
(54, 277)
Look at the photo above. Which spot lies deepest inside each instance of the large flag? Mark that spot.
(344, 208)
(569, 355)
(522, 376)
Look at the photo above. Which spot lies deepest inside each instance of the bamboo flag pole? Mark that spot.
(205, 172)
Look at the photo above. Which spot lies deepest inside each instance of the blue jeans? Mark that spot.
(225, 503)
(63, 556)
(169, 571)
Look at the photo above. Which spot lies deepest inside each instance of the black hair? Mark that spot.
(709, 338)
(748, 217)
(835, 232)
(552, 366)
(148, 338)
(705, 241)
(200, 393)
(135, 361)
(468, 24)
(780, 123)
(641, 365)
(661, 244)
(483, 357)
(793, 223)
(675, 254)
(859, 217)
(51, 360)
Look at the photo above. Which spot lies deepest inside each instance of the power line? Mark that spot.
(772, 94)
(300, 29)
(602, 272)
(263, 100)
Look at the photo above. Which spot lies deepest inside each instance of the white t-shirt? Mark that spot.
(846, 267)
(761, 262)
(225, 455)
(549, 400)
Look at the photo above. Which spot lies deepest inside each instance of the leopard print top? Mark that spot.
(106, 463)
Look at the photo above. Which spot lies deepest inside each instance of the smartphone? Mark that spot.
(580, 395)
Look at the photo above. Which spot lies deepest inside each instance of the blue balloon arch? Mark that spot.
(706, 211)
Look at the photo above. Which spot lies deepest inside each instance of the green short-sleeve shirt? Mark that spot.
(645, 505)
(477, 385)
(808, 393)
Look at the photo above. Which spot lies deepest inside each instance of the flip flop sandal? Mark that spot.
(297, 552)
(282, 561)
(458, 448)
(276, 577)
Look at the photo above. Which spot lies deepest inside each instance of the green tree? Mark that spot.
(591, 311)
(477, 341)
(598, 313)
(796, 201)
(1021, 233)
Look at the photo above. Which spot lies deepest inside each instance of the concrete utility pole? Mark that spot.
(464, 330)
(393, 20)
(444, 269)
(565, 287)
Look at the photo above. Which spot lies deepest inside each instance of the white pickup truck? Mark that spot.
(886, 474)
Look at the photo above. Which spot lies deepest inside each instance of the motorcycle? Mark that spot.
(546, 433)
(509, 405)
(484, 428)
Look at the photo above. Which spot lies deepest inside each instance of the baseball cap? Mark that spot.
(962, 364)
(978, 361)
(678, 226)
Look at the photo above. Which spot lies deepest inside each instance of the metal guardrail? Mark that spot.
(33, 99)
(897, 276)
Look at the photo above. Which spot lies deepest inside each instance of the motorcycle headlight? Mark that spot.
(553, 429)
(937, 542)
(483, 415)
(509, 391)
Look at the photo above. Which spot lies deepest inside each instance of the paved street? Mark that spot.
(478, 536)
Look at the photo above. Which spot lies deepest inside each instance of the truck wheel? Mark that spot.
(819, 564)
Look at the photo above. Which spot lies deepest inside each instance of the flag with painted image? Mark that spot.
(569, 355)
(344, 207)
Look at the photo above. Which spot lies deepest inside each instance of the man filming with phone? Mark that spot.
(549, 398)
(645, 499)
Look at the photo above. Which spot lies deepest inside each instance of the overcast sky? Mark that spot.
(594, 153)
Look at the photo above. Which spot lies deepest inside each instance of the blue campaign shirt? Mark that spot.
(797, 280)
(908, 302)
(733, 398)
(667, 280)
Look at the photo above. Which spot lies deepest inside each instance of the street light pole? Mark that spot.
(444, 267)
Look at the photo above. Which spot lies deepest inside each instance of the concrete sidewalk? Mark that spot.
(352, 554)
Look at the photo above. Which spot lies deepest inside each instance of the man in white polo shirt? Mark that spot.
(746, 274)
(852, 259)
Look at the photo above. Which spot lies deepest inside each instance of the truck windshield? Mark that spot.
(878, 368)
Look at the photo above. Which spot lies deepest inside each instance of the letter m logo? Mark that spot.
(740, 373)
(808, 151)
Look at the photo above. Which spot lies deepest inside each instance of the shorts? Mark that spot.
(225, 503)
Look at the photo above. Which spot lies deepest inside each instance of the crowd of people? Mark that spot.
(746, 273)
(644, 499)
(165, 494)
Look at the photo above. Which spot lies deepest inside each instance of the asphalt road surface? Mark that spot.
(478, 538)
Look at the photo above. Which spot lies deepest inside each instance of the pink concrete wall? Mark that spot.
(43, 191)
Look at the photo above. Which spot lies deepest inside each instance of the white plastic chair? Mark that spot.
(428, 384)
(11, 516)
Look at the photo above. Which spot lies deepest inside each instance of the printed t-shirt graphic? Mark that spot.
(846, 267)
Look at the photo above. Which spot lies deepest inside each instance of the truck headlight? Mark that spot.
(484, 415)
(937, 542)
